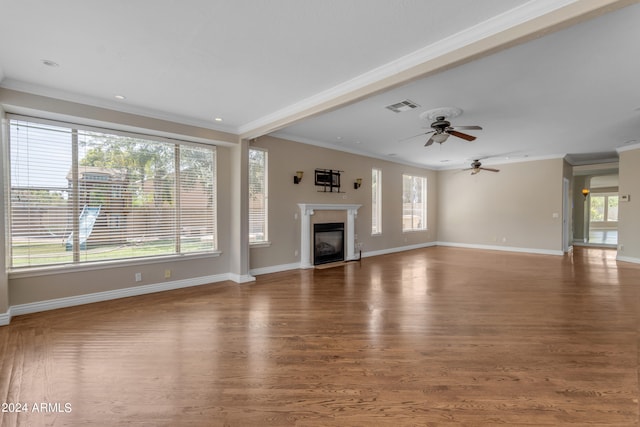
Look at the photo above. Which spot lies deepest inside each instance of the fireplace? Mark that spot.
(307, 211)
(328, 242)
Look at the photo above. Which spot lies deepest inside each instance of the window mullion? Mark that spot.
(75, 206)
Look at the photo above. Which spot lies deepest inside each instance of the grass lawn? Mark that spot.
(40, 253)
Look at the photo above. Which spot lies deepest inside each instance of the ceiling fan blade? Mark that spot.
(429, 142)
(415, 136)
(461, 135)
(468, 127)
(491, 169)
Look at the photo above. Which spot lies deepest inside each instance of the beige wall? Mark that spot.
(286, 157)
(513, 208)
(629, 212)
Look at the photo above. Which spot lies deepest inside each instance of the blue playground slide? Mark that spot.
(87, 221)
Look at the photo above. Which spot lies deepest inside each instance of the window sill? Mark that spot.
(421, 230)
(72, 268)
(259, 244)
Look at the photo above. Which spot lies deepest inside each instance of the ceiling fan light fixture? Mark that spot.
(440, 137)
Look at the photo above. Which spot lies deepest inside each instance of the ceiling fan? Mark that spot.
(441, 127)
(476, 167)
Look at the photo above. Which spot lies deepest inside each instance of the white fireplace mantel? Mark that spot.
(306, 210)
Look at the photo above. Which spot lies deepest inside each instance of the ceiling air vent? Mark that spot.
(401, 106)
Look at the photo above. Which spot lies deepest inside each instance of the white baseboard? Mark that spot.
(502, 248)
(628, 259)
(297, 265)
(397, 249)
(5, 318)
(241, 278)
(274, 269)
(53, 304)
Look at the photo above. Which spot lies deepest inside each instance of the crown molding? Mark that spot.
(345, 149)
(629, 147)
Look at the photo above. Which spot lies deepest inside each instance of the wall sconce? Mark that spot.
(585, 192)
(298, 177)
(357, 184)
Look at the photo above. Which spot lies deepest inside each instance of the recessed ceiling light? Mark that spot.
(218, 119)
(339, 138)
(631, 141)
(392, 154)
(358, 142)
(120, 97)
(444, 161)
(50, 63)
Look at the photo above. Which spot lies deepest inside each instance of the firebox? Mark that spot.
(328, 242)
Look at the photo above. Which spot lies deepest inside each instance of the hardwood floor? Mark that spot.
(438, 336)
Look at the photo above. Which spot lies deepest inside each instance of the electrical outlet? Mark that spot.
(167, 273)
(138, 277)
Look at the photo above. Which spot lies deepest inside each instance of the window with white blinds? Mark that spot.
(376, 201)
(414, 203)
(80, 195)
(258, 196)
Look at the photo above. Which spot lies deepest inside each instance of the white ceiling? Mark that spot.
(258, 63)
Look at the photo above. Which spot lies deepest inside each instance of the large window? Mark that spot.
(603, 207)
(376, 201)
(258, 196)
(80, 195)
(414, 203)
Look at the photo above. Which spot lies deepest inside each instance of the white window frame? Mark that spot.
(376, 202)
(263, 240)
(606, 197)
(113, 223)
(422, 225)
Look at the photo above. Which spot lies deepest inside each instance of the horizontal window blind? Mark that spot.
(257, 195)
(414, 203)
(82, 196)
(376, 201)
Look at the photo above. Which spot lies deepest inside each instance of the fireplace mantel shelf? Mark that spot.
(306, 210)
(304, 207)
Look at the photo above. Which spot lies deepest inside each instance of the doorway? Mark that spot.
(596, 203)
